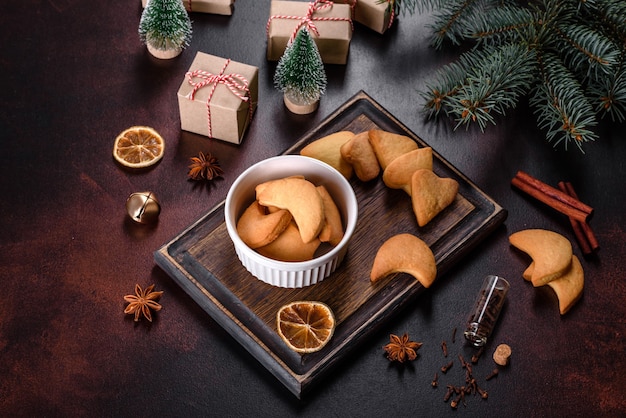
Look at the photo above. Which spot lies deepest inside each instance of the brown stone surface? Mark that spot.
(74, 75)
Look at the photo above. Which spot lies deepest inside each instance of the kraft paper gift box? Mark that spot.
(372, 13)
(218, 7)
(332, 21)
(218, 97)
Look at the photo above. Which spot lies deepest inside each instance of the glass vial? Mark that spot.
(486, 310)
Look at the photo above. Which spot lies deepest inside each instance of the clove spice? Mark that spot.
(457, 395)
(483, 393)
(446, 367)
(493, 374)
(464, 364)
(477, 355)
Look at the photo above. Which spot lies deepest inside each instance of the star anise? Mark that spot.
(142, 302)
(401, 348)
(204, 167)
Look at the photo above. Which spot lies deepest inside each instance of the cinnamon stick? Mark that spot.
(552, 197)
(585, 247)
(582, 230)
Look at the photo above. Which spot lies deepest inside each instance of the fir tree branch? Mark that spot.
(483, 83)
(561, 106)
(586, 51)
(502, 24)
(448, 23)
(610, 16)
(579, 72)
(415, 6)
(609, 93)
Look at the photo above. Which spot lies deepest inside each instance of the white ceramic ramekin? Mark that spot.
(282, 273)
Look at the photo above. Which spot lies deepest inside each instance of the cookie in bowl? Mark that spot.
(298, 185)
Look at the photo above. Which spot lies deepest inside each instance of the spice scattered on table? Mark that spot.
(446, 367)
(477, 354)
(435, 381)
(565, 200)
(204, 167)
(583, 232)
(401, 349)
(142, 302)
(551, 196)
(457, 394)
(494, 373)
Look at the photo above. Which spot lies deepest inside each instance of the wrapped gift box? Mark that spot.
(332, 21)
(218, 97)
(371, 13)
(218, 7)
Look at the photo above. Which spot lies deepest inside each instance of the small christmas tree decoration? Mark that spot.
(300, 74)
(165, 28)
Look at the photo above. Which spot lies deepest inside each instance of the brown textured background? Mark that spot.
(74, 75)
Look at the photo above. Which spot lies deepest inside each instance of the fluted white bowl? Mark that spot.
(283, 273)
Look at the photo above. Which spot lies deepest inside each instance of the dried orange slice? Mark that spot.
(305, 326)
(138, 146)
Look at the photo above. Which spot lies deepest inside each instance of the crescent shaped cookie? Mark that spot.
(551, 254)
(327, 149)
(569, 287)
(301, 198)
(257, 228)
(332, 231)
(405, 253)
(289, 246)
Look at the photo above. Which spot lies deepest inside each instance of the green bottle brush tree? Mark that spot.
(568, 57)
(165, 28)
(300, 74)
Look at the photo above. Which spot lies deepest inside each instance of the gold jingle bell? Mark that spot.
(143, 207)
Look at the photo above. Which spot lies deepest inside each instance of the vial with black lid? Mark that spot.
(486, 310)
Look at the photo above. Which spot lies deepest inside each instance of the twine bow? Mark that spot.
(236, 83)
(309, 19)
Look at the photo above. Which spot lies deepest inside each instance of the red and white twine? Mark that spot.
(392, 10)
(236, 83)
(309, 19)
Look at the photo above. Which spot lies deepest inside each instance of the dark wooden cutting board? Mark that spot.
(202, 260)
